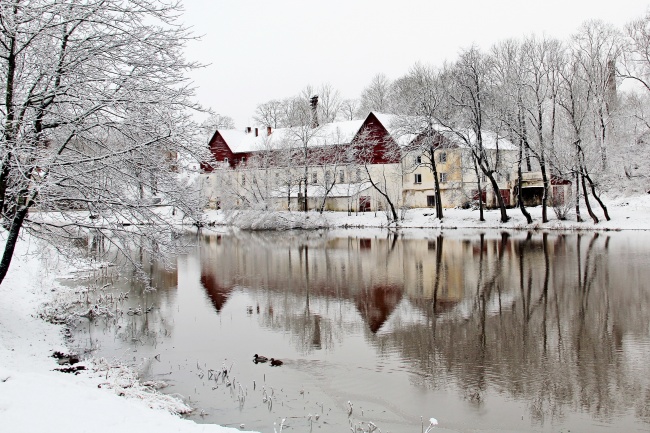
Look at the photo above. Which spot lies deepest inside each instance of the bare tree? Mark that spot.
(213, 123)
(540, 87)
(271, 113)
(330, 159)
(600, 46)
(329, 103)
(509, 104)
(375, 97)
(420, 97)
(301, 136)
(94, 115)
(378, 158)
(349, 109)
(575, 97)
(470, 94)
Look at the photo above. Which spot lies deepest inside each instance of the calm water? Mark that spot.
(486, 331)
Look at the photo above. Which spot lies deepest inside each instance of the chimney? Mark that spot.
(248, 130)
(256, 132)
(268, 130)
(313, 103)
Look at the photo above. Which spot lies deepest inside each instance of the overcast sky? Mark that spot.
(271, 49)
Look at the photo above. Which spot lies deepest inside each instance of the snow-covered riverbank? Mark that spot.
(34, 397)
(630, 213)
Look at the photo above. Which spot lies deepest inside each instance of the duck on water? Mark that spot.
(257, 358)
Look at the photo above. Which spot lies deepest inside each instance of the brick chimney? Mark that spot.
(313, 103)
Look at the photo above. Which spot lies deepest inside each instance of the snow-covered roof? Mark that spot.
(405, 129)
(401, 128)
(328, 134)
(490, 139)
(394, 126)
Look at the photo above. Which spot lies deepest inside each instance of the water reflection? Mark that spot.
(487, 326)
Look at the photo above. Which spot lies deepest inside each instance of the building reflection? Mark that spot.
(556, 319)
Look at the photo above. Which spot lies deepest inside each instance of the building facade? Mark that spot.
(354, 166)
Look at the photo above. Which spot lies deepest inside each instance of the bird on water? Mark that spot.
(257, 358)
(276, 362)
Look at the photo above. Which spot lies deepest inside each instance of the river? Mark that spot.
(497, 331)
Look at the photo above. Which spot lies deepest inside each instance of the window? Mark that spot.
(243, 179)
(418, 178)
(443, 177)
(431, 200)
(507, 177)
(225, 160)
(328, 177)
(341, 176)
(314, 178)
(483, 178)
(418, 160)
(443, 157)
(243, 160)
(358, 175)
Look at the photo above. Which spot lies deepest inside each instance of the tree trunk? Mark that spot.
(586, 197)
(436, 182)
(578, 217)
(545, 194)
(306, 179)
(520, 200)
(480, 192)
(12, 239)
(497, 192)
(600, 202)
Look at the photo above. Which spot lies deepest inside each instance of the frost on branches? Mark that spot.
(94, 121)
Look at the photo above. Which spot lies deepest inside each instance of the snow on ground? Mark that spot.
(34, 397)
(629, 213)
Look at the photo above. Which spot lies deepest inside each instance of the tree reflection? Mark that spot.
(532, 315)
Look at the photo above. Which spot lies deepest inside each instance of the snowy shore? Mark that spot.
(629, 213)
(34, 397)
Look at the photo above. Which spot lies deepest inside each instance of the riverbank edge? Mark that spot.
(629, 213)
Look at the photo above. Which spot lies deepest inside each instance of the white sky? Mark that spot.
(271, 49)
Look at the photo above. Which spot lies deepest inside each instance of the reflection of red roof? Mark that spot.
(218, 294)
(377, 303)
